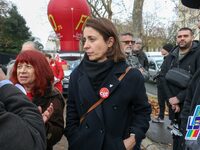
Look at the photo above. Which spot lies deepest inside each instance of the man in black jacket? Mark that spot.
(191, 102)
(185, 56)
(21, 124)
(193, 97)
(160, 92)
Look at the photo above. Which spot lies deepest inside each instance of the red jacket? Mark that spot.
(58, 73)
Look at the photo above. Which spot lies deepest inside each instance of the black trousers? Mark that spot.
(161, 102)
(178, 143)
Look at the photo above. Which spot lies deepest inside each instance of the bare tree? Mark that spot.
(105, 8)
(101, 8)
(187, 17)
(171, 33)
(154, 32)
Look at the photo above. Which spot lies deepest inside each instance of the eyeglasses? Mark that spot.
(127, 42)
(138, 43)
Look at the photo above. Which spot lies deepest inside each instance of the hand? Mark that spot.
(2, 75)
(47, 113)
(176, 108)
(141, 69)
(129, 143)
(173, 100)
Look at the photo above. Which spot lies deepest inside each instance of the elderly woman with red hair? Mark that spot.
(32, 71)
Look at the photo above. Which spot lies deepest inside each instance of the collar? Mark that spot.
(194, 47)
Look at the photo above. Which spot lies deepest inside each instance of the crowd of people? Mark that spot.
(107, 106)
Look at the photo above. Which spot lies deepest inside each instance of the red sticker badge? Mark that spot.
(104, 92)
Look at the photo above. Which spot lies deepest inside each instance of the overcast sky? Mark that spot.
(35, 13)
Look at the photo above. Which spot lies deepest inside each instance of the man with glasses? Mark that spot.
(128, 43)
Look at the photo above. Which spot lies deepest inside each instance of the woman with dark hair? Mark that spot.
(32, 71)
(107, 107)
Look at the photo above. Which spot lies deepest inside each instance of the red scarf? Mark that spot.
(30, 96)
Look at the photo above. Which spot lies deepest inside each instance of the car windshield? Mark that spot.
(159, 63)
(73, 64)
(73, 61)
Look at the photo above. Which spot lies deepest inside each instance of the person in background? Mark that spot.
(185, 56)
(122, 119)
(127, 44)
(139, 53)
(160, 91)
(62, 62)
(57, 71)
(32, 71)
(29, 45)
(166, 49)
(138, 50)
(21, 127)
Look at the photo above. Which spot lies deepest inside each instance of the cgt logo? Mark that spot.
(104, 92)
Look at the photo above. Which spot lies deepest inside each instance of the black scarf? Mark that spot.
(97, 71)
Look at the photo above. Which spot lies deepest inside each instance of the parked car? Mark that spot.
(155, 60)
(9, 67)
(11, 62)
(73, 60)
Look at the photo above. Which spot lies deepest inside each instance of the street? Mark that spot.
(151, 88)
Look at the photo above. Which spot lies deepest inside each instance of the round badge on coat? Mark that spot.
(104, 92)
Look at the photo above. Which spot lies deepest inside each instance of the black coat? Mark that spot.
(55, 125)
(160, 89)
(189, 62)
(21, 124)
(125, 111)
(143, 60)
(191, 101)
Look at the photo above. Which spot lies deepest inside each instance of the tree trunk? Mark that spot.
(137, 18)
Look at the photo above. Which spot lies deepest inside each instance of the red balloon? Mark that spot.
(67, 18)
